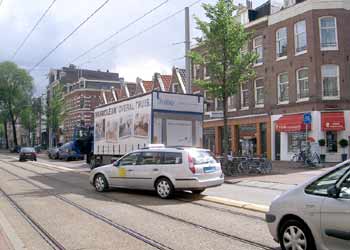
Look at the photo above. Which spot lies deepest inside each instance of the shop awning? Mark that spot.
(291, 123)
(332, 121)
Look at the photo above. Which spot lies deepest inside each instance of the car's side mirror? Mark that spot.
(333, 192)
(116, 164)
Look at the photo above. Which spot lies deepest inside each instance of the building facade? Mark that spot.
(303, 67)
(83, 91)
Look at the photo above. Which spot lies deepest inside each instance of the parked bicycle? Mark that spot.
(307, 158)
(255, 165)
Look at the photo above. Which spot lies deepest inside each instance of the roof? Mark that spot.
(166, 81)
(148, 85)
(183, 75)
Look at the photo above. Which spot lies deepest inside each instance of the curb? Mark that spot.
(239, 204)
(14, 241)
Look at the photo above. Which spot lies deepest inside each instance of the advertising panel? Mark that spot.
(179, 133)
(123, 127)
(176, 102)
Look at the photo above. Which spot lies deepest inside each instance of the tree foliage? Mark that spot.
(222, 42)
(16, 87)
(56, 110)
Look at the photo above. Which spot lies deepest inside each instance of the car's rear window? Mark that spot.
(172, 158)
(202, 156)
(27, 150)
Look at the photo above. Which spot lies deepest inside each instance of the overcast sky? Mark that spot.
(151, 52)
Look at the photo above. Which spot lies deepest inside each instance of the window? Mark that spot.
(219, 105)
(331, 142)
(206, 72)
(300, 37)
(259, 92)
(283, 95)
(196, 72)
(296, 142)
(321, 186)
(130, 159)
(345, 189)
(244, 96)
(303, 83)
(176, 88)
(259, 49)
(148, 158)
(281, 42)
(172, 158)
(328, 33)
(232, 102)
(330, 81)
(209, 102)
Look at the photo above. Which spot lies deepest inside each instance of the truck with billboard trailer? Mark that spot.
(153, 118)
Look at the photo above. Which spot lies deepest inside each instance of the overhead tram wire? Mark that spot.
(120, 30)
(139, 33)
(32, 30)
(69, 35)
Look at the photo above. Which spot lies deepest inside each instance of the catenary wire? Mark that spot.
(68, 36)
(32, 30)
(139, 33)
(119, 30)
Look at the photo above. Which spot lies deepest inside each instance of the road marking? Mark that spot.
(61, 168)
(235, 203)
(6, 228)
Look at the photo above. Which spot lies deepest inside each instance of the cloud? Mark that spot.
(144, 69)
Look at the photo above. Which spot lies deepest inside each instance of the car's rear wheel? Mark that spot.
(296, 235)
(164, 188)
(100, 183)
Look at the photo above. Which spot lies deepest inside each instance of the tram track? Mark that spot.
(106, 220)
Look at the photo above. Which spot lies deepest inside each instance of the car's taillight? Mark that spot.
(191, 164)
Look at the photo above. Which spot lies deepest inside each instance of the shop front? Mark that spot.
(247, 136)
(290, 134)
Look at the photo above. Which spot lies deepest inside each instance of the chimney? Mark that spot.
(249, 4)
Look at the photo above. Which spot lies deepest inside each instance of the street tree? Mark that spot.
(16, 87)
(56, 111)
(222, 43)
(4, 117)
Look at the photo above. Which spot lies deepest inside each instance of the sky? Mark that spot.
(156, 50)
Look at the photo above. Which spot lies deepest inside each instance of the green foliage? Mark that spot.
(223, 40)
(343, 143)
(16, 87)
(56, 109)
(221, 47)
(322, 142)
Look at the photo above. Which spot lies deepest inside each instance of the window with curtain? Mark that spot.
(283, 88)
(330, 81)
(300, 37)
(303, 83)
(259, 49)
(281, 42)
(328, 33)
(244, 96)
(259, 92)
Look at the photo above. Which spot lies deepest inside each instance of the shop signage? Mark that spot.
(292, 123)
(216, 114)
(333, 121)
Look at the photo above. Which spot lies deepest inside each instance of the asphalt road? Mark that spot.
(56, 208)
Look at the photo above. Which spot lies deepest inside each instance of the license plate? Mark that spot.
(209, 169)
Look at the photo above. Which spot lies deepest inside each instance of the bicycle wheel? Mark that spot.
(295, 158)
(241, 168)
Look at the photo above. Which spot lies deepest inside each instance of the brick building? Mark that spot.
(303, 67)
(83, 91)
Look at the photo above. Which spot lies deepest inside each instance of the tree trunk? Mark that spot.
(6, 135)
(226, 135)
(13, 123)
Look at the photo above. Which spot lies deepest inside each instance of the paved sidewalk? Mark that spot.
(289, 173)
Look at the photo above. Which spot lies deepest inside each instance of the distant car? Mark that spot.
(53, 153)
(162, 169)
(67, 152)
(314, 215)
(27, 153)
(15, 149)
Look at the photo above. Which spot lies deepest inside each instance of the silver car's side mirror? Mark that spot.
(333, 192)
(116, 164)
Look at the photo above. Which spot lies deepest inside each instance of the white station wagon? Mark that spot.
(162, 169)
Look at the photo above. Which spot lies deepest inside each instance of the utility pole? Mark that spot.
(188, 48)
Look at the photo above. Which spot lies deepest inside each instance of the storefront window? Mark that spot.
(229, 139)
(331, 142)
(296, 142)
(209, 138)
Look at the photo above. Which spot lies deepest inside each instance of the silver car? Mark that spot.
(162, 169)
(315, 215)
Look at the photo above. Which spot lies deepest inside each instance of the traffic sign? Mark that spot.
(307, 118)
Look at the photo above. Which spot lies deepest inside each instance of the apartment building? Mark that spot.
(303, 67)
(83, 91)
